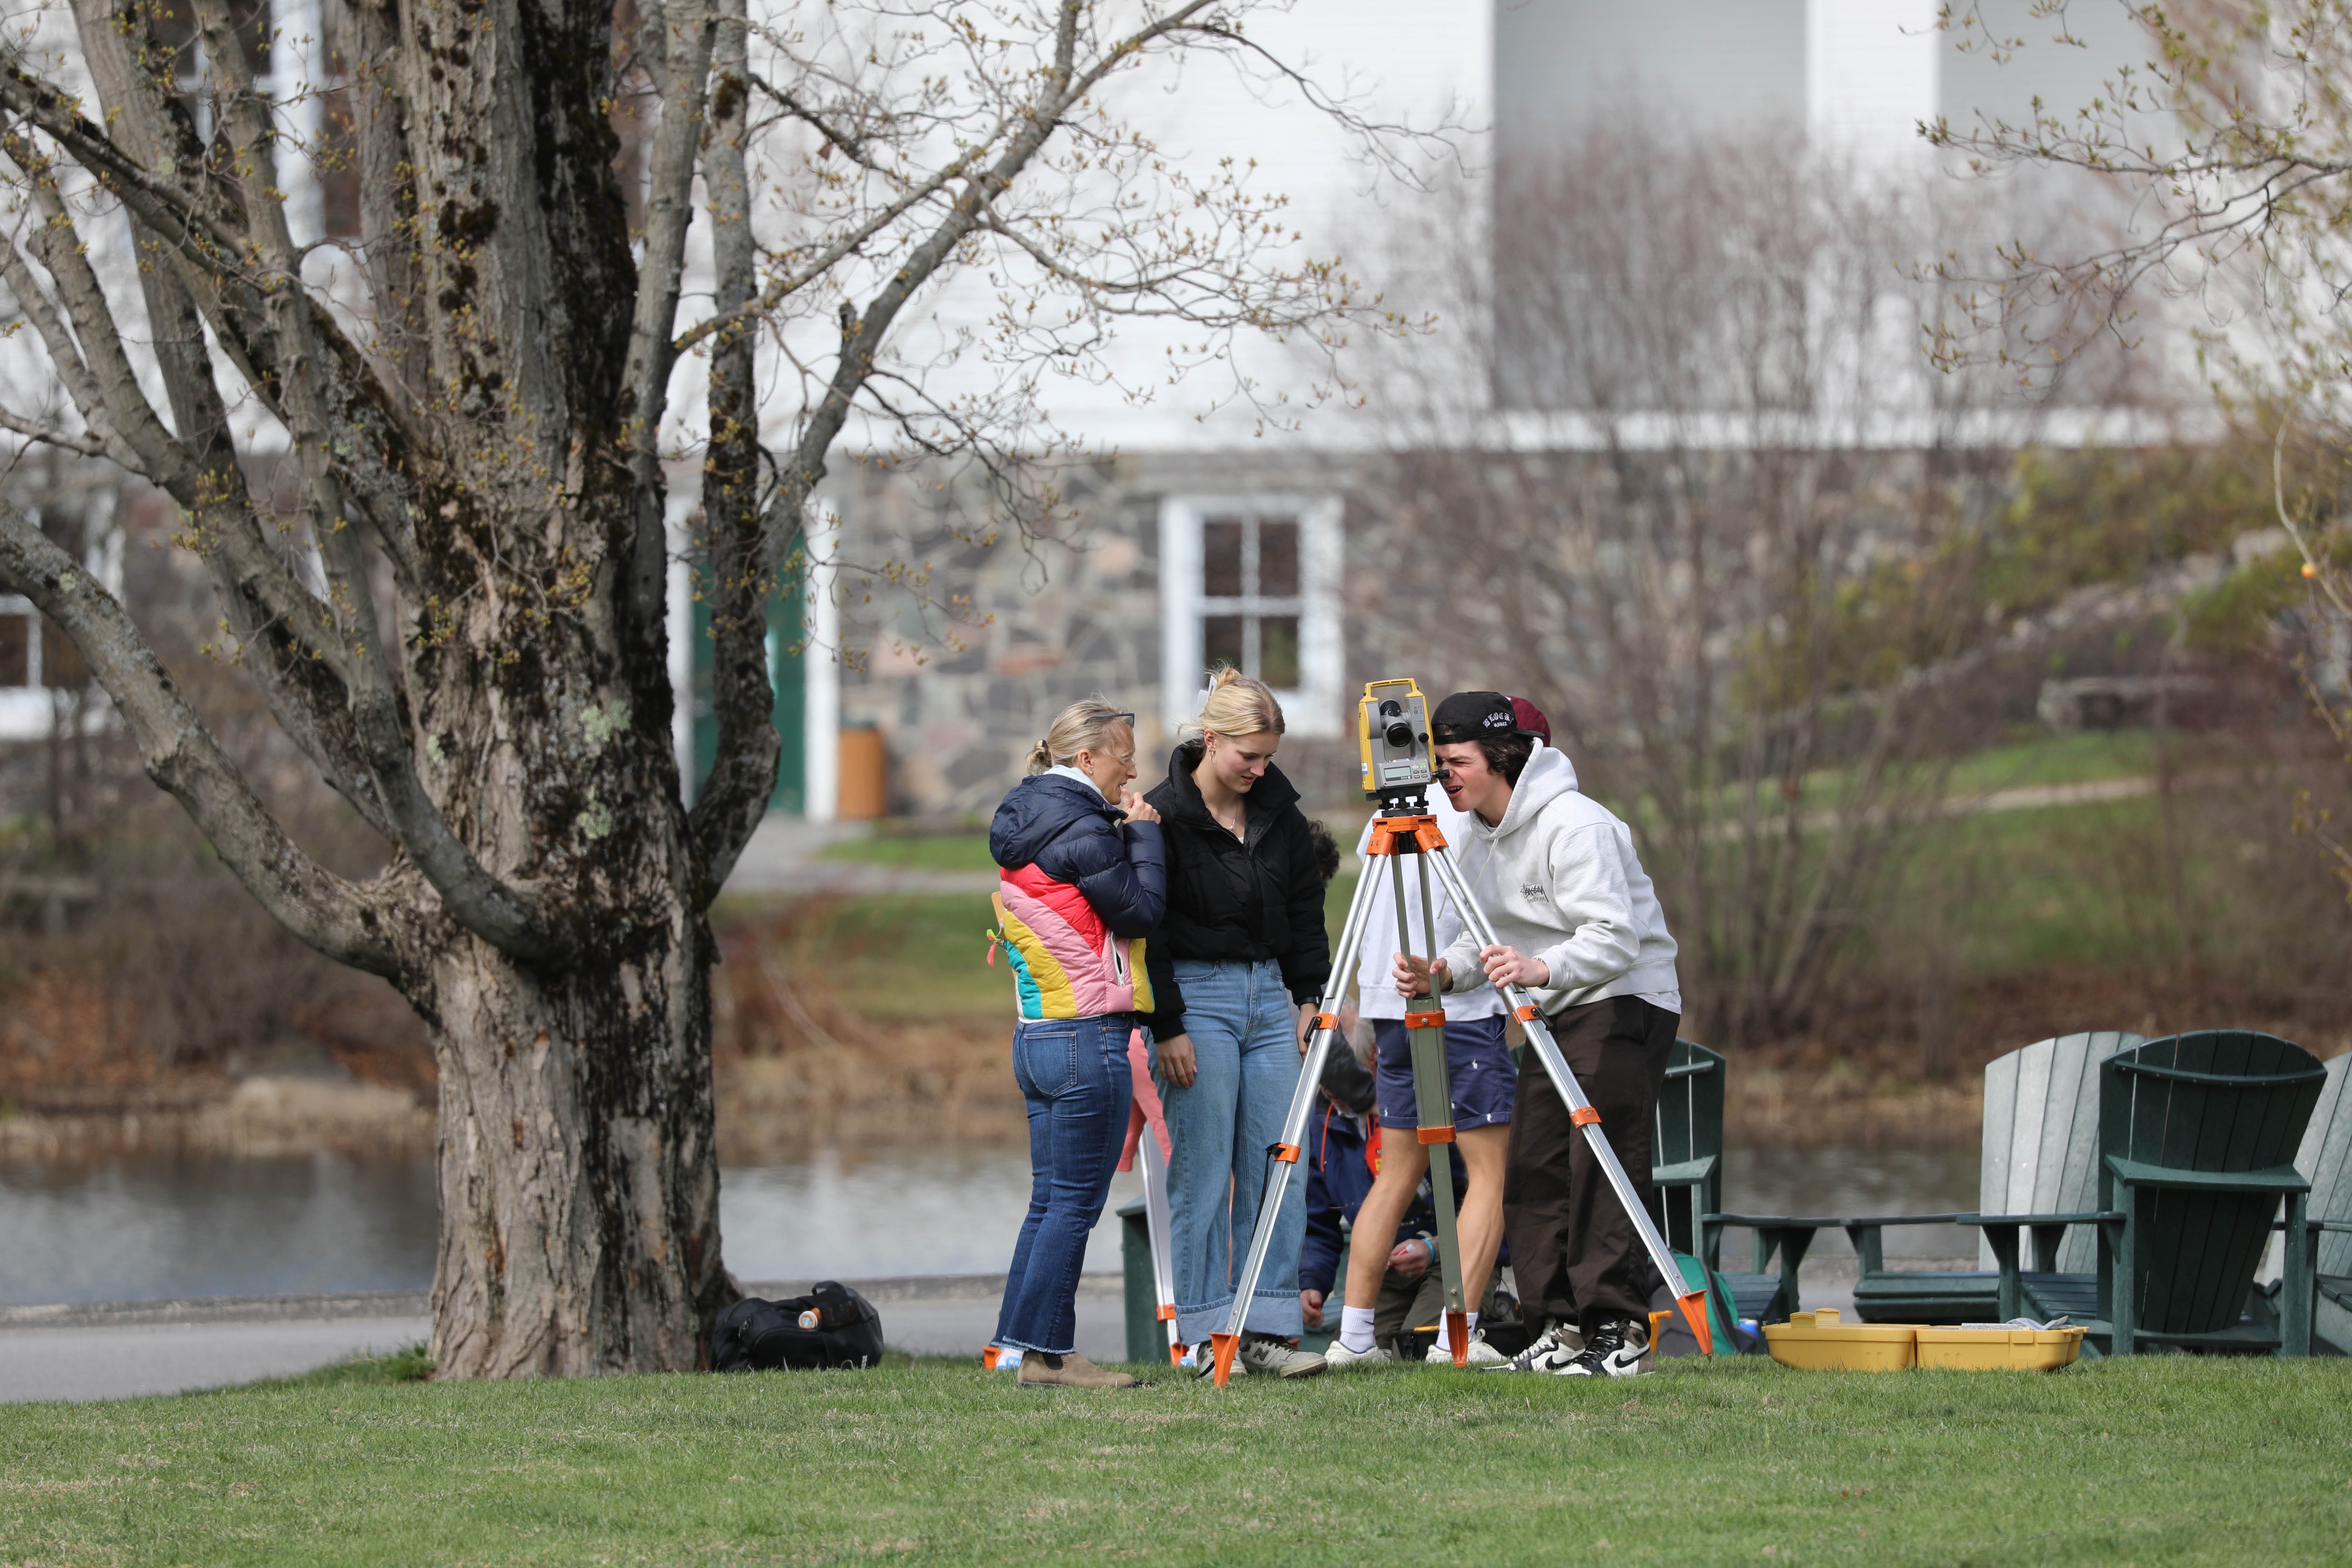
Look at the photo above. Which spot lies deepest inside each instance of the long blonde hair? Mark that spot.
(1237, 704)
(1081, 727)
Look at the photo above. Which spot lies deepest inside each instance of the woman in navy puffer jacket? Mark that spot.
(1084, 880)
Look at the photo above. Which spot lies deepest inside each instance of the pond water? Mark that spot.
(142, 1227)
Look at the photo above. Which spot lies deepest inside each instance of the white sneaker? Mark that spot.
(1482, 1355)
(1337, 1355)
(1552, 1351)
(1615, 1350)
(1266, 1356)
(1001, 1358)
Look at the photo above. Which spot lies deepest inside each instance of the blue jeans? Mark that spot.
(1073, 1072)
(1244, 1034)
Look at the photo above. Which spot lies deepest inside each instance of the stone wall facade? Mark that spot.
(963, 673)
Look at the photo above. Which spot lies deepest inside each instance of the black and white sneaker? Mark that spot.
(1552, 1351)
(1614, 1350)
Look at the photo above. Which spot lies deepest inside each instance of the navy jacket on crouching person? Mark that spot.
(1340, 1177)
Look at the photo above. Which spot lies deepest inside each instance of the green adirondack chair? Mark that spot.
(1687, 1142)
(2326, 1158)
(2039, 1155)
(1686, 1173)
(2197, 1133)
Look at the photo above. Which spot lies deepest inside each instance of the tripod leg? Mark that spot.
(1433, 1094)
(1224, 1342)
(1157, 1223)
(1581, 1112)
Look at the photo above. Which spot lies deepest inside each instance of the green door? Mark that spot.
(786, 636)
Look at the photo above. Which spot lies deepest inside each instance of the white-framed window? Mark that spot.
(36, 659)
(1254, 581)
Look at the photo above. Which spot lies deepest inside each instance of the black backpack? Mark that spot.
(832, 1325)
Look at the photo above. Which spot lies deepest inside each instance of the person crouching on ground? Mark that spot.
(1079, 890)
(1481, 1079)
(1580, 926)
(1236, 969)
(1344, 1151)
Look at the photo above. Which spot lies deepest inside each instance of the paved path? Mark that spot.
(784, 858)
(117, 1349)
(171, 1358)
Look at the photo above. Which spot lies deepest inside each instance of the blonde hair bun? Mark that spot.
(1085, 726)
(1237, 704)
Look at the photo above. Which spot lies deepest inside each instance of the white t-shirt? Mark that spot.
(1376, 961)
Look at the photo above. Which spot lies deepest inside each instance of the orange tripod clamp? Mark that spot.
(1422, 831)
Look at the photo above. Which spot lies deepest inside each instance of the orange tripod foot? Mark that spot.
(1220, 1352)
(1457, 1335)
(1694, 1308)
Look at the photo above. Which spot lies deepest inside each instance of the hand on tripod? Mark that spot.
(1509, 966)
(1413, 974)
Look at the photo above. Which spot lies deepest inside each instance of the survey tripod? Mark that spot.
(1405, 830)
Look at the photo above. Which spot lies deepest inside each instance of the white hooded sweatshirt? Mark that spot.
(1376, 992)
(1560, 881)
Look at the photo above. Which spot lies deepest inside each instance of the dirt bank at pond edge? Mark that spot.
(948, 1083)
(261, 1116)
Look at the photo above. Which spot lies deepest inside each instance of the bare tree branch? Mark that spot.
(684, 83)
(733, 799)
(496, 913)
(337, 918)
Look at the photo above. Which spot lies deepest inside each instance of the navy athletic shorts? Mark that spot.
(1479, 1073)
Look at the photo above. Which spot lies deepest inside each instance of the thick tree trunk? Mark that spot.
(578, 1180)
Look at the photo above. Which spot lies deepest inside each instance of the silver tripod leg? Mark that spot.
(1226, 1342)
(1581, 1112)
(1155, 1225)
(1433, 1103)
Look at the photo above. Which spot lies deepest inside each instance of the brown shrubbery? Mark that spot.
(797, 1065)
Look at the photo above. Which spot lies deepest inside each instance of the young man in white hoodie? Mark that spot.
(1580, 926)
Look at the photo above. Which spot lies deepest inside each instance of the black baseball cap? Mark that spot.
(1474, 716)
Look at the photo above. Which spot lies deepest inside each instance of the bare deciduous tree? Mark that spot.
(2233, 138)
(1729, 517)
(459, 615)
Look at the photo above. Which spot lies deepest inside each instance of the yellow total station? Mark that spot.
(1392, 731)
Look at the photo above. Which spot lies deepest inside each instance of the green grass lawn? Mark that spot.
(901, 957)
(2063, 759)
(917, 851)
(2037, 888)
(898, 957)
(2159, 1460)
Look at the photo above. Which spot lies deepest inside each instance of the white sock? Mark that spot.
(1445, 1340)
(1356, 1330)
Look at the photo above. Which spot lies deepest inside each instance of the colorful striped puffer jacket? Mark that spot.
(1080, 888)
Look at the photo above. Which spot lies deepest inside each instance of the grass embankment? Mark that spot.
(2160, 1461)
(2005, 926)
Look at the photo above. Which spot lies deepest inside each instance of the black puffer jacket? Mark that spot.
(1235, 900)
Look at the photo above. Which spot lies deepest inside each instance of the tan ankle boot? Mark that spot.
(1076, 1372)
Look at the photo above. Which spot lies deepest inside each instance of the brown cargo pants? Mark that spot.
(1575, 1254)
